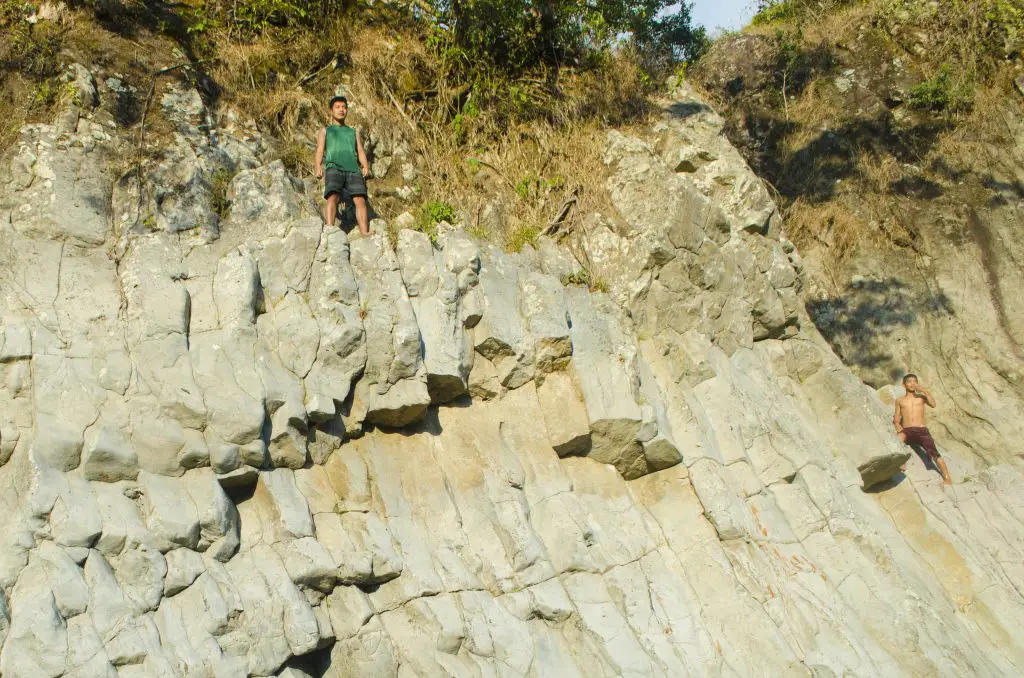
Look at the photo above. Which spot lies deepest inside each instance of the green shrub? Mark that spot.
(252, 17)
(520, 236)
(33, 52)
(533, 186)
(518, 35)
(942, 92)
(585, 278)
(431, 214)
(436, 211)
(777, 12)
(782, 11)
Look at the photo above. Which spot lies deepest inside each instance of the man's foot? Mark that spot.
(947, 481)
(903, 467)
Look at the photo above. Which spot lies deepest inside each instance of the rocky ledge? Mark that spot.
(256, 447)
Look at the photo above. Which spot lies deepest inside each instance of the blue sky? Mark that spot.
(728, 14)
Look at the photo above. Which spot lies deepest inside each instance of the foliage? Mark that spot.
(971, 34)
(433, 213)
(514, 36)
(585, 278)
(941, 92)
(248, 18)
(770, 12)
(297, 157)
(436, 211)
(775, 12)
(50, 92)
(532, 186)
(520, 236)
(469, 111)
(797, 63)
(29, 49)
(219, 183)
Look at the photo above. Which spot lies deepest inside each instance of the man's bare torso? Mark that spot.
(911, 410)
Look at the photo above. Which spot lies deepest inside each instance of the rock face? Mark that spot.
(202, 476)
(921, 276)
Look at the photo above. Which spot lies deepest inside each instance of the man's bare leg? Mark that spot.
(331, 209)
(362, 214)
(941, 463)
(903, 439)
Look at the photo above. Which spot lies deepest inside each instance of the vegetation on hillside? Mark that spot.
(492, 95)
(965, 42)
(861, 112)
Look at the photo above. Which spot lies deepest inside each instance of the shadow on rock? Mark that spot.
(886, 485)
(858, 322)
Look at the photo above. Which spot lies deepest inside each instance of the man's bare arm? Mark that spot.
(927, 397)
(363, 164)
(321, 142)
(897, 419)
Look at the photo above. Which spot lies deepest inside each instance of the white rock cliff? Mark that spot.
(257, 448)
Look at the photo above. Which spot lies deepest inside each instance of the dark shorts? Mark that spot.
(345, 184)
(919, 435)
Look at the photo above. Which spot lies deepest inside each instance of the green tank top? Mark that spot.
(340, 148)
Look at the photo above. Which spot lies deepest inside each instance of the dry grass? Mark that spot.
(830, 225)
(532, 170)
(823, 21)
(992, 122)
(877, 173)
(514, 142)
(816, 109)
(467, 154)
(16, 105)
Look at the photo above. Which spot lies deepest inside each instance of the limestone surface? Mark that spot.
(255, 447)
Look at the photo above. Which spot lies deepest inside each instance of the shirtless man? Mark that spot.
(909, 421)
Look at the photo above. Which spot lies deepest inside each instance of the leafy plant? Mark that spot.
(775, 12)
(31, 51)
(436, 211)
(296, 156)
(532, 185)
(431, 214)
(469, 111)
(585, 278)
(517, 35)
(770, 12)
(520, 236)
(942, 92)
(50, 92)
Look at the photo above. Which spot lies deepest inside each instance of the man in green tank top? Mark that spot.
(341, 162)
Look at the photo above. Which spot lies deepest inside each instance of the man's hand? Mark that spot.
(319, 172)
(365, 170)
(922, 392)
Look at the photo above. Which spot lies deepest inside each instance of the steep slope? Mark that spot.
(255, 447)
(906, 208)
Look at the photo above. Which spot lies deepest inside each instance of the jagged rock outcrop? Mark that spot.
(270, 450)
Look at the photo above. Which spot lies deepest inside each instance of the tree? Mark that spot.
(515, 35)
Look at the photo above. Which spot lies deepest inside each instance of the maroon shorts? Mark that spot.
(919, 435)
